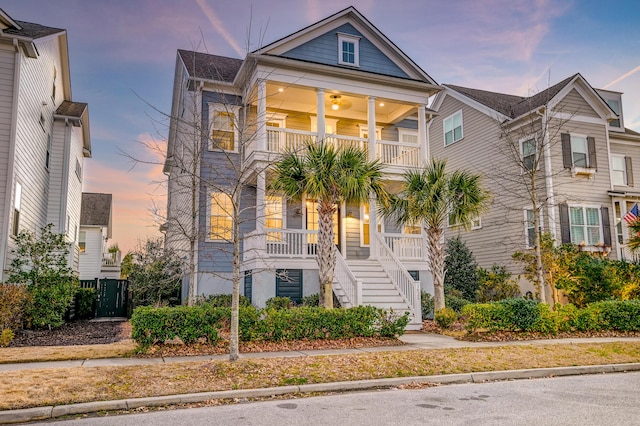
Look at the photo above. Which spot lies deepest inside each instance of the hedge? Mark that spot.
(191, 323)
(528, 315)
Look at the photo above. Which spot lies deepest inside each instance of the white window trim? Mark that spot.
(17, 209)
(521, 143)
(624, 170)
(379, 221)
(214, 107)
(404, 229)
(333, 122)
(277, 117)
(284, 209)
(444, 133)
(412, 132)
(364, 128)
(473, 220)
(530, 244)
(584, 207)
(208, 223)
(350, 38)
(577, 170)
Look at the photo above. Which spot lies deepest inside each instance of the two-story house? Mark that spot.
(339, 80)
(96, 260)
(562, 154)
(44, 136)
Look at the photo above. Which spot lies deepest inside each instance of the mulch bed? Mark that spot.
(75, 333)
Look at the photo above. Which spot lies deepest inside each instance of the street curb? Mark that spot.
(51, 412)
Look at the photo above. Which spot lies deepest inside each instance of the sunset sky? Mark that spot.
(123, 57)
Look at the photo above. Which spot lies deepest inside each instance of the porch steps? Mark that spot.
(378, 290)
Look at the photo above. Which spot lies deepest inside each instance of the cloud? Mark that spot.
(219, 27)
(622, 77)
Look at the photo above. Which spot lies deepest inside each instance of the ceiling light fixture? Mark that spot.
(335, 102)
(381, 104)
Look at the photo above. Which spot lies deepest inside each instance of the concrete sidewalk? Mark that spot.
(413, 341)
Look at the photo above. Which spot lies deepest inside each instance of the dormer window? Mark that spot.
(615, 106)
(348, 50)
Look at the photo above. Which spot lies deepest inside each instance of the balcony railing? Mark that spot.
(111, 260)
(388, 152)
(406, 246)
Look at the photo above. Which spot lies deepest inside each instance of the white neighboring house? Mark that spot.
(44, 136)
(93, 241)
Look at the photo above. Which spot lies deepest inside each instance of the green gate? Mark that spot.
(112, 298)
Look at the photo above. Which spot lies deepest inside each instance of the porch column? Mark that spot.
(373, 209)
(261, 136)
(260, 203)
(320, 107)
(422, 134)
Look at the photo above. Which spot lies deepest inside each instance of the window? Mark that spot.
(53, 90)
(528, 150)
(615, 106)
(530, 227)
(365, 220)
(47, 159)
(618, 170)
(17, 202)
(348, 50)
(411, 229)
(364, 131)
(221, 221)
(223, 127)
(476, 223)
(579, 151)
(453, 128)
(78, 170)
(274, 216)
(585, 225)
(312, 222)
(82, 241)
(408, 136)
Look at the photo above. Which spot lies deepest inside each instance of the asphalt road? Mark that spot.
(606, 399)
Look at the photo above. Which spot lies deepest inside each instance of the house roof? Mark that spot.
(71, 109)
(31, 30)
(510, 105)
(631, 132)
(210, 67)
(96, 209)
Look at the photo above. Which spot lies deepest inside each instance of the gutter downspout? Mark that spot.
(4, 235)
(548, 177)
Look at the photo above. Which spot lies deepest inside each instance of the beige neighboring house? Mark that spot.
(95, 232)
(585, 166)
(44, 136)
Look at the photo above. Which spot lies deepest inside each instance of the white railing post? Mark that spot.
(358, 293)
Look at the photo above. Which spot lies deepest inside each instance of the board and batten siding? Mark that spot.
(7, 70)
(502, 231)
(324, 49)
(91, 260)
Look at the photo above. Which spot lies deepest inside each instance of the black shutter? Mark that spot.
(606, 225)
(591, 144)
(629, 168)
(567, 161)
(565, 228)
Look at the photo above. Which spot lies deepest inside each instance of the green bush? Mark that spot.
(279, 303)
(460, 270)
(311, 300)
(445, 317)
(392, 324)
(222, 300)
(50, 301)
(426, 304)
(6, 337)
(496, 284)
(86, 299)
(619, 315)
(455, 302)
(520, 314)
(14, 299)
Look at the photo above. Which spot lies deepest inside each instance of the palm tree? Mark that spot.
(431, 196)
(329, 176)
(634, 235)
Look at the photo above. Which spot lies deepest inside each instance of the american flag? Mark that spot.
(632, 214)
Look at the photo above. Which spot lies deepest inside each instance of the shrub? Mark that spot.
(619, 315)
(426, 303)
(392, 324)
(496, 284)
(460, 269)
(50, 302)
(519, 314)
(445, 317)
(482, 315)
(86, 299)
(222, 300)
(311, 300)
(279, 303)
(455, 302)
(13, 301)
(6, 337)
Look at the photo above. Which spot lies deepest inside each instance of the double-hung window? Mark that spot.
(224, 131)
(579, 153)
(453, 128)
(528, 150)
(530, 227)
(274, 217)
(365, 225)
(17, 203)
(621, 170)
(348, 49)
(220, 218)
(615, 106)
(585, 225)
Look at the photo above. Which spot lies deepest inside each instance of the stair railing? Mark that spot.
(343, 279)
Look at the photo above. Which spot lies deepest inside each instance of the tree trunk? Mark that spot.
(234, 339)
(436, 260)
(326, 252)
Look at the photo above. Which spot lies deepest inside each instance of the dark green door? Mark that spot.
(289, 284)
(112, 300)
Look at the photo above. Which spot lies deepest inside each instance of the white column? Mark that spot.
(262, 116)
(373, 208)
(422, 133)
(320, 121)
(260, 203)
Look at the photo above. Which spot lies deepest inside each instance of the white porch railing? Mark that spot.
(398, 153)
(111, 260)
(400, 277)
(280, 140)
(291, 243)
(627, 254)
(347, 141)
(343, 279)
(406, 246)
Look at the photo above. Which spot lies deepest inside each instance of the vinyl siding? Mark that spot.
(575, 105)
(628, 150)
(91, 259)
(324, 50)
(56, 185)
(7, 69)
(352, 232)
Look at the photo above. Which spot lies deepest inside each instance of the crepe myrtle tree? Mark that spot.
(433, 197)
(330, 176)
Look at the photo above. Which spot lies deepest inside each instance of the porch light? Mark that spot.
(381, 104)
(281, 90)
(335, 102)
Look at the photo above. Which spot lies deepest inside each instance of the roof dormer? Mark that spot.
(614, 100)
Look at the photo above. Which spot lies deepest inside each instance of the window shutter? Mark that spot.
(629, 168)
(567, 161)
(591, 144)
(565, 228)
(606, 226)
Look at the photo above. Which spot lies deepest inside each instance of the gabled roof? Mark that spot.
(78, 112)
(510, 105)
(210, 67)
(31, 30)
(96, 210)
(71, 109)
